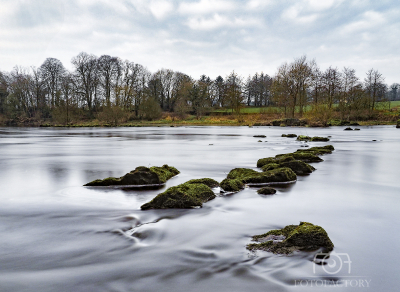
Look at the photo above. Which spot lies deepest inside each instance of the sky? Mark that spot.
(211, 37)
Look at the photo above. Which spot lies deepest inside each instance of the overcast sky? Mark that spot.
(211, 37)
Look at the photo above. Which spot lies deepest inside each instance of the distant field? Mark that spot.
(274, 109)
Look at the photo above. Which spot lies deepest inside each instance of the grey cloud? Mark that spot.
(197, 37)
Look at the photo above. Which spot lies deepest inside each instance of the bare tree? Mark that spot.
(374, 86)
(51, 72)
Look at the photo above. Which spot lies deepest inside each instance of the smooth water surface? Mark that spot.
(57, 235)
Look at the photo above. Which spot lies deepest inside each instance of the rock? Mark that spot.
(183, 196)
(398, 124)
(305, 236)
(312, 139)
(141, 176)
(318, 150)
(303, 138)
(252, 177)
(289, 135)
(302, 156)
(299, 167)
(263, 161)
(232, 185)
(206, 181)
(260, 136)
(356, 129)
(348, 129)
(319, 139)
(266, 191)
(259, 141)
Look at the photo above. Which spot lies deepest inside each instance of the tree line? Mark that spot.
(108, 88)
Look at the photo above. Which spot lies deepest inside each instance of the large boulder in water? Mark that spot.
(184, 196)
(305, 236)
(141, 176)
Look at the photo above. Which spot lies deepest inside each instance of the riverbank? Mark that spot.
(228, 120)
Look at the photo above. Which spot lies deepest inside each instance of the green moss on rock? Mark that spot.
(250, 176)
(302, 156)
(266, 191)
(278, 159)
(232, 185)
(328, 149)
(206, 181)
(183, 196)
(305, 236)
(303, 138)
(319, 139)
(141, 176)
(289, 135)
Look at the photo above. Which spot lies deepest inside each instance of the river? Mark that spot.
(57, 235)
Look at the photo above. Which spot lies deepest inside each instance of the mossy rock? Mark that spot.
(328, 149)
(183, 196)
(268, 160)
(232, 185)
(299, 167)
(303, 138)
(206, 181)
(302, 156)
(141, 176)
(319, 139)
(289, 135)
(266, 191)
(305, 236)
(252, 177)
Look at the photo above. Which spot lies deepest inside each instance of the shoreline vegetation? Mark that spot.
(106, 91)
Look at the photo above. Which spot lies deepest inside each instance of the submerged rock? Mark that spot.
(305, 236)
(184, 196)
(141, 176)
(232, 185)
(266, 191)
(252, 177)
(289, 135)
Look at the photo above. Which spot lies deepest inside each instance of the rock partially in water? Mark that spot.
(268, 160)
(289, 135)
(183, 196)
(141, 176)
(312, 139)
(348, 129)
(328, 149)
(299, 167)
(319, 139)
(266, 191)
(206, 181)
(260, 136)
(357, 129)
(252, 177)
(303, 138)
(305, 236)
(302, 156)
(398, 124)
(232, 185)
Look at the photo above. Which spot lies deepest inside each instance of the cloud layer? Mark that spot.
(209, 37)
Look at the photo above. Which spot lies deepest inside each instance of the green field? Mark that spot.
(274, 109)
